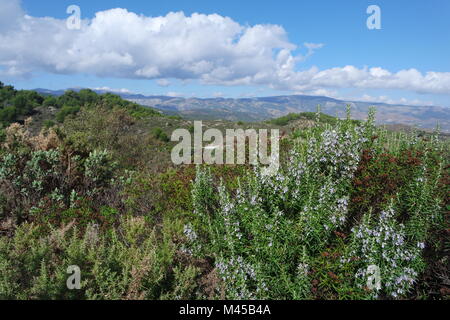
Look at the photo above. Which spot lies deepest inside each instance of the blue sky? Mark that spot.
(414, 35)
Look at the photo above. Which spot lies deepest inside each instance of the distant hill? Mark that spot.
(18, 105)
(264, 108)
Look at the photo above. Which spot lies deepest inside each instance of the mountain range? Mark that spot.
(264, 108)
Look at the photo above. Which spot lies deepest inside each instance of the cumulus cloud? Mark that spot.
(108, 89)
(312, 47)
(174, 94)
(386, 99)
(218, 94)
(119, 43)
(10, 14)
(163, 82)
(374, 78)
(212, 49)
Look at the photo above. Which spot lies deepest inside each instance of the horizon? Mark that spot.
(228, 98)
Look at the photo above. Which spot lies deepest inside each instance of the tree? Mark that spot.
(8, 114)
(87, 96)
(6, 94)
(51, 101)
(20, 103)
(65, 111)
(69, 98)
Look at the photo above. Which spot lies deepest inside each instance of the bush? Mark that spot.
(159, 134)
(285, 120)
(130, 264)
(348, 196)
(66, 111)
(15, 105)
(48, 124)
(273, 230)
(112, 130)
(33, 178)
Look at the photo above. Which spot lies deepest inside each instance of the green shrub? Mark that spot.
(285, 120)
(159, 134)
(130, 264)
(66, 111)
(347, 196)
(273, 230)
(34, 180)
(48, 124)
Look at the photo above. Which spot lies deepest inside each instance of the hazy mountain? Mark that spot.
(263, 108)
(257, 109)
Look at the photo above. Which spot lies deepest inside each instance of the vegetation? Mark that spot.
(159, 134)
(272, 232)
(349, 195)
(16, 105)
(282, 121)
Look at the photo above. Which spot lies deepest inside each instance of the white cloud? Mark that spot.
(108, 89)
(386, 99)
(218, 94)
(319, 92)
(163, 82)
(174, 94)
(209, 48)
(312, 47)
(10, 14)
(374, 78)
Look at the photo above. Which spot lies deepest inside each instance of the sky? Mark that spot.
(210, 48)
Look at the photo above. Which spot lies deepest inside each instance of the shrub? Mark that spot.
(112, 130)
(348, 195)
(66, 111)
(48, 124)
(384, 243)
(159, 134)
(272, 230)
(34, 179)
(130, 264)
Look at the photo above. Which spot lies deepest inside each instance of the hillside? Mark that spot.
(96, 188)
(265, 108)
(258, 109)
